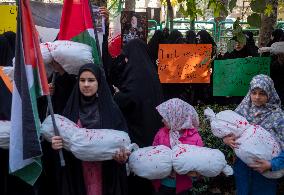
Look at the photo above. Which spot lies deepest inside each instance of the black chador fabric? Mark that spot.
(5, 101)
(63, 86)
(153, 45)
(6, 53)
(69, 180)
(190, 37)
(140, 92)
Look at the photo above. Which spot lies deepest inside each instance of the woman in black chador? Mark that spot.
(91, 106)
(138, 95)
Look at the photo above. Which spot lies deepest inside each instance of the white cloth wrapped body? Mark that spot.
(71, 55)
(206, 161)
(226, 122)
(86, 144)
(98, 144)
(5, 128)
(153, 162)
(255, 142)
(65, 127)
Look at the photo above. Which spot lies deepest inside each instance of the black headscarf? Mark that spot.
(205, 38)
(98, 111)
(250, 43)
(277, 34)
(140, 92)
(191, 37)
(11, 36)
(109, 117)
(153, 45)
(6, 55)
(175, 37)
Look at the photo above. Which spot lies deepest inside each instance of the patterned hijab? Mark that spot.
(179, 115)
(270, 116)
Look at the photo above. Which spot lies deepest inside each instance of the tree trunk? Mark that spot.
(267, 24)
(170, 14)
(129, 5)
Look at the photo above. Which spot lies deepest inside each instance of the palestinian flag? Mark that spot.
(77, 25)
(30, 82)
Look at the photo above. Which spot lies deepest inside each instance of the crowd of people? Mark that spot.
(124, 94)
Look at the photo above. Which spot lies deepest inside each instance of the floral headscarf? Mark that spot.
(179, 115)
(270, 116)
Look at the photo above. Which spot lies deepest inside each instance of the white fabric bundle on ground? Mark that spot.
(66, 129)
(86, 144)
(71, 55)
(206, 161)
(255, 142)
(98, 144)
(5, 128)
(153, 162)
(275, 48)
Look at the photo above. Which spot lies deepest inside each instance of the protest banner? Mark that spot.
(232, 77)
(184, 63)
(8, 18)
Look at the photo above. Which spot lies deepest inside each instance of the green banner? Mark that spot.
(232, 77)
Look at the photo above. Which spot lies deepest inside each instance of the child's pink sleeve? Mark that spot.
(199, 141)
(156, 139)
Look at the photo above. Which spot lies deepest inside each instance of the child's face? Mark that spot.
(258, 97)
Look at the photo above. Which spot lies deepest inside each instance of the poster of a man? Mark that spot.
(133, 26)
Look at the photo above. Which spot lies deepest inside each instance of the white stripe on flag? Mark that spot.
(30, 75)
(16, 135)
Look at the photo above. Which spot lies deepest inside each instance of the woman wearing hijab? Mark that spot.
(91, 106)
(251, 43)
(190, 37)
(241, 50)
(175, 37)
(138, 95)
(275, 36)
(153, 45)
(201, 93)
(261, 106)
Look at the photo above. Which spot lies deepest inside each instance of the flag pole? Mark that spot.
(95, 32)
(56, 131)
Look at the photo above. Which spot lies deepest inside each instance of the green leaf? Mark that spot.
(182, 10)
(268, 10)
(232, 4)
(254, 20)
(258, 6)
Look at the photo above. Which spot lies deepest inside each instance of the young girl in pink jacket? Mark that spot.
(180, 127)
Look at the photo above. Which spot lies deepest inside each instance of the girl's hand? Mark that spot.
(57, 142)
(230, 140)
(122, 155)
(51, 88)
(260, 165)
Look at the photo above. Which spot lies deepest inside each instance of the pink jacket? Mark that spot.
(190, 136)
